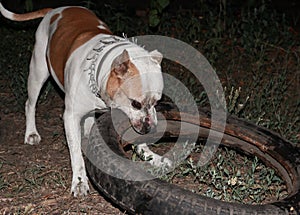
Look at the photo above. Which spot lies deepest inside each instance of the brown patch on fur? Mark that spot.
(115, 81)
(54, 18)
(75, 27)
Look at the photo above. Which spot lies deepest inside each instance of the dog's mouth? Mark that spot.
(144, 126)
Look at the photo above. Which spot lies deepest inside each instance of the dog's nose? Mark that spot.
(147, 120)
(148, 126)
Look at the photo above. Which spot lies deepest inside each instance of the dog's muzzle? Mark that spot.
(144, 126)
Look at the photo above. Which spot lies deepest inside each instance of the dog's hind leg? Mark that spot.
(38, 74)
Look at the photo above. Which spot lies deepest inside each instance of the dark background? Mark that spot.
(291, 8)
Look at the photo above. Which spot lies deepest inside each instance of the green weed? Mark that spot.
(3, 183)
(247, 180)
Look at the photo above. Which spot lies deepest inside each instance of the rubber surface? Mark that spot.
(158, 197)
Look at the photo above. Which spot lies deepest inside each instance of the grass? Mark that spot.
(247, 180)
(255, 53)
(3, 183)
(32, 178)
(230, 175)
(14, 62)
(257, 57)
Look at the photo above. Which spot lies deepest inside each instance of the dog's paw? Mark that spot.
(32, 139)
(159, 161)
(80, 186)
(152, 158)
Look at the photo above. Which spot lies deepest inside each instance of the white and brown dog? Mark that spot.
(95, 69)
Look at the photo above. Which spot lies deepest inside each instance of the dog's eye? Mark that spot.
(137, 105)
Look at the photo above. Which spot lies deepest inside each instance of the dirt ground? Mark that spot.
(37, 179)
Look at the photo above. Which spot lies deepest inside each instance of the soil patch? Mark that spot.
(37, 179)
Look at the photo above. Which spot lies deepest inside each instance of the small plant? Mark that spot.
(34, 177)
(234, 105)
(28, 5)
(156, 9)
(246, 180)
(89, 4)
(3, 183)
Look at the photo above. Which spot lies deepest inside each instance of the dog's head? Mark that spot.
(134, 85)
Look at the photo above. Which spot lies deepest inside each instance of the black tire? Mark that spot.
(158, 197)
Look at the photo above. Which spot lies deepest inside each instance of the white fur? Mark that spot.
(7, 14)
(79, 98)
(153, 158)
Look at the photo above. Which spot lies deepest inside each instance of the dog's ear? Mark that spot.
(156, 56)
(120, 64)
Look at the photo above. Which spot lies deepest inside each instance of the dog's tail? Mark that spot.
(23, 17)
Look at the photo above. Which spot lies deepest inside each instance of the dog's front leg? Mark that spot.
(154, 159)
(73, 134)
